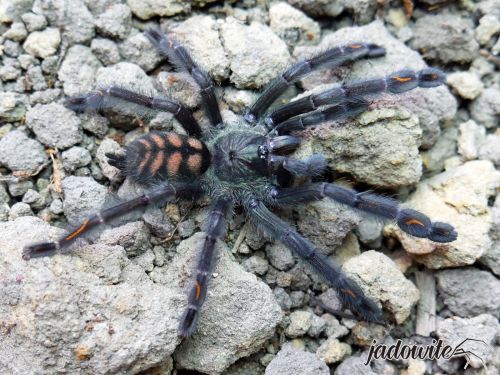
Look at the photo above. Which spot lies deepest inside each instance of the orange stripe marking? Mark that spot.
(194, 163)
(355, 46)
(414, 221)
(79, 230)
(198, 290)
(144, 161)
(403, 79)
(174, 140)
(160, 142)
(174, 162)
(145, 143)
(194, 143)
(157, 163)
(349, 292)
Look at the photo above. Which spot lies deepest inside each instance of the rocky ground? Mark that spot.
(112, 306)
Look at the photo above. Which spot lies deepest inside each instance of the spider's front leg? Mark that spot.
(410, 221)
(349, 292)
(166, 192)
(215, 229)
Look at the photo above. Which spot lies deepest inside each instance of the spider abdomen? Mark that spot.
(158, 156)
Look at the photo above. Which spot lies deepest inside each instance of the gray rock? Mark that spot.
(133, 237)
(333, 327)
(34, 22)
(381, 280)
(330, 299)
(16, 32)
(483, 327)
(11, 10)
(12, 49)
(146, 9)
(72, 16)
(158, 222)
(115, 22)
(19, 209)
(4, 211)
(200, 35)
(43, 43)
(106, 51)
(468, 292)
(280, 256)
(290, 361)
(103, 303)
(283, 298)
(466, 84)
(256, 54)
(445, 37)
(471, 135)
(490, 149)
(293, 26)
(109, 145)
(488, 26)
(45, 96)
(35, 79)
(491, 258)
(56, 207)
(82, 197)
(445, 148)
(54, 125)
(355, 365)
(256, 264)
(78, 70)
(12, 106)
(297, 297)
(127, 75)
(318, 325)
(333, 351)
(362, 10)
(180, 87)
(369, 232)
(18, 188)
(458, 196)
(75, 157)
(35, 199)
(239, 315)
(138, 50)
(20, 153)
(486, 108)
(10, 70)
(239, 100)
(300, 322)
(95, 124)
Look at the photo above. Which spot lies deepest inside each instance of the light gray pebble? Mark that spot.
(43, 43)
(471, 135)
(105, 50)
(18, 188)
(160, 256)
(20, 209)
(54, 125)
(254, 238)
(467, 84)
(20, 153)
(256, 264)
(239, 100)
(280, 256)
(34, 22)
(369, 231)
(35, 78)
(82, 197)
(283, 298)
(75, 157)
(333, 351)
(445, 147)
(293, 26)
(26, 60)
(297, 297)
(4, 211)
(186, 228)
(4, 196)
(445, 37)
(486, 108)
(78, 70)
(115, 22)
(318, 325)
(11, 10)
(11, 48)
(16, 32)
(45, 96)
(145, 260)
(12, 106)
(333, 327)
(300, 322)
(10, 70)
(50, 65)
(290, 361)
(109, 145)
(158, 222)
(469, 291)
(35, 199)
(138, 49)
(134, 237)
(356, 365)
(56, 207)
(146, 9)
(489, 25)
(95, 124)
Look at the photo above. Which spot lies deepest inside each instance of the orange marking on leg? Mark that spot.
(158, 139)
(198, 290)
(78, 231)
(157, 163)
(196, 144)
(174, 140)
(143, 163)
(146, 143)
(349, 292)
(174, 162)
(414, 221)
(194, 163)
(403, 79)
(355, 46)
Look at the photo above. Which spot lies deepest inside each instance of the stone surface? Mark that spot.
(43, 43)
(20, 153)
(133, 237)
(82, 197)
(107, 51)
(293, 26)
(300, 322)
(290, 361)
(78, 70)
(280, 256)
(115, 22)
(109, 145)
(75, 157)
(54, 125)
(466, 84)
(490, 148)
(486, 108)
(138, 50)
(333, 351)
(12, 106)
(145, 9)
(458, 196)
(469, 291)
(470, 137)
(240, 312)
(382, 281)
(256, 54)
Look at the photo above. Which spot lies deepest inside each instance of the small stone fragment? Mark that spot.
(115, 22)
(489, 25)
(75, 157)
(290, 360)
(19, 209)
(133, 237)
(82, 197)
(467, 84)
(34, 22)
(486, 108)
(293, 26)
(106, 51)
(280, 256)
(333, 351)
(138, 49)
(300, 322)
(470, 137)
(78, 70)
(43, 43)
(20, 153)
(109, 145)
(146, 9)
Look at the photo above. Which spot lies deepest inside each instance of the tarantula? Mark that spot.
(249, 164)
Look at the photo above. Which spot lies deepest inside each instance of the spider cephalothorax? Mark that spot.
(250, 164)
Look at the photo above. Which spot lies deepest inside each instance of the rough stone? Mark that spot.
(333, 351)
(78, 70)
(54, 125)
(43, 43)
(293, 26)
(469, 291)
(20, 153)
(106, 51)
(146, 9)
(75, 157)
(256, 264)
(256, 54)
(382, 281)
(109, 145)
(471, 135)
(280, 256)
(82, 197)
(490, 148)
(300, 322)
(12, 106)
(16, 32)
(486, 108)
(115, 22)
(239, 315)
(489, 25)
(34, 22)
(137, 49)
(11, 10)
(294, 361)
(466, 84)
(133, 237)
(20, 209)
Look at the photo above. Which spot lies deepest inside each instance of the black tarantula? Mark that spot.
(250, 164)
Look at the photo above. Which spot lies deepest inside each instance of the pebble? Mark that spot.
(136, 49)
(18, 188)
(115, 22)
(489, 25)
(290, 360)
(133, 237)
(75, 157)
(109, 145)
(106, 51)
(95, 124)
(34, 22)
(16, 32)
(256, 264)
(333, 351)
(486, 108)
(300, 322)
(43, 43)
(82, 197)
(20, 153)
(78, 70)
(293, 26)
(467, 84)
(19, 209)
(470, 137)
(54, 125)
(280, 256)
(146, 9)
(12, 106)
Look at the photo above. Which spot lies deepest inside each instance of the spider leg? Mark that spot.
(349, 292)
(179, 57)
(410, 221)
(215, 229)
(163, 193)
(104, 98)
(330, 58)
(395, 83)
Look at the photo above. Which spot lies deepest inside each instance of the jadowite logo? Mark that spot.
(436, 350)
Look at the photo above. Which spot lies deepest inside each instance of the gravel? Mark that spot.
(18, 152)
(43, 43)
(78, 70)
(294, 361)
